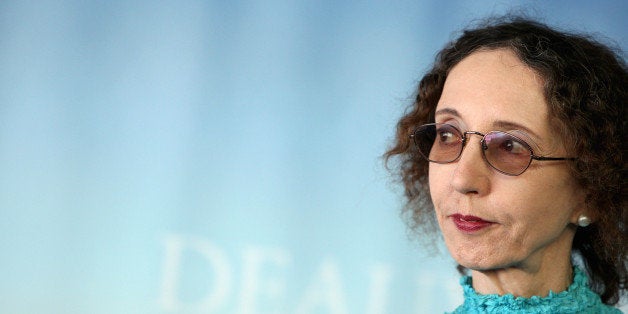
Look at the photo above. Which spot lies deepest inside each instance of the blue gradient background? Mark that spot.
(221, 156)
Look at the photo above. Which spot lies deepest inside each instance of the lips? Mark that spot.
(468, 223)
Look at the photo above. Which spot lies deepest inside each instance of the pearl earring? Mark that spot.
(583, 221)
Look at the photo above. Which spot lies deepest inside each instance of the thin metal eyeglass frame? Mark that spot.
(484, 148)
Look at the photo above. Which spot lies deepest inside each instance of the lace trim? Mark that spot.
(578, 298)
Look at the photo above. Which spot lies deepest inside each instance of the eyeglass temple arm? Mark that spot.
(541, 158)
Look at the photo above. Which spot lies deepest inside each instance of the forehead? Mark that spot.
(494, 85)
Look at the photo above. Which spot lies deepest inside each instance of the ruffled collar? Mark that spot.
(578, 298)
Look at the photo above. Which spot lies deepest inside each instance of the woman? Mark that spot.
(515, 145)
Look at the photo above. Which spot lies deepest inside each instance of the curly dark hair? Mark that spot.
(585, 89)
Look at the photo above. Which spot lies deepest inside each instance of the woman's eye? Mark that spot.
(446, 137)
(514, 147)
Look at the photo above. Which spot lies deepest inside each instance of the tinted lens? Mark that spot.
(437, 142)
(507, 153)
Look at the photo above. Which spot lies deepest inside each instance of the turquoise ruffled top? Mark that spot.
(578, 298)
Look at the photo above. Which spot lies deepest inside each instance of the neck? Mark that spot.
(537, 277)
(522, 283)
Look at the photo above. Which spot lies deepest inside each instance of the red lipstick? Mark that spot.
(467, 223)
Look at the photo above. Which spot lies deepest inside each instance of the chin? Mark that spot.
(475, 266)
(480, 261)
(480, 255)
(486, 263)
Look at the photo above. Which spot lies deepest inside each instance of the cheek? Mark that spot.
(535, 215)
(525, 207)
(551, 199)
(436, 180)
(439, 189)
(545, 214)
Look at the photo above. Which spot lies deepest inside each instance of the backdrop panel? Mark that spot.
(221, 156)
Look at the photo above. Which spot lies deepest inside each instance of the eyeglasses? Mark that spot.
(443, 143)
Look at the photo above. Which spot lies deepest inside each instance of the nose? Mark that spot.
(472, 173)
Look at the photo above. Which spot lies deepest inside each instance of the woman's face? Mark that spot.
(490, 220)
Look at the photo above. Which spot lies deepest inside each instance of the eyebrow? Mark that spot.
(450, 111)
(501, 124)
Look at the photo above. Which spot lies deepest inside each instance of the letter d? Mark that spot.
(175, 244)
